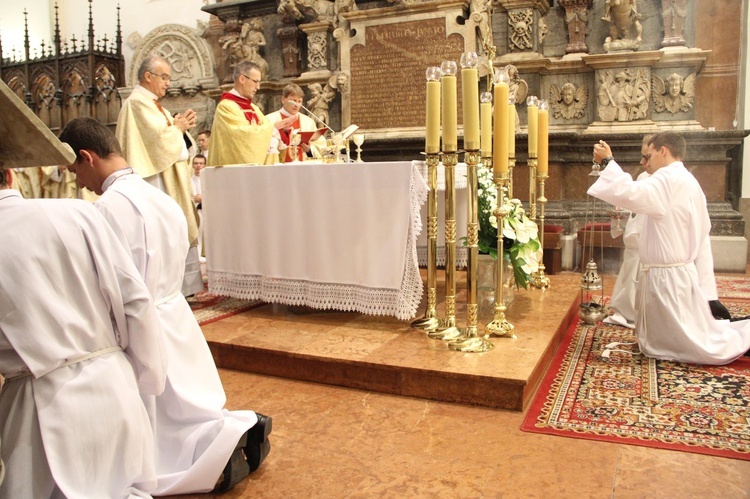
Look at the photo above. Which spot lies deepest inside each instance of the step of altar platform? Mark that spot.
(386, 355)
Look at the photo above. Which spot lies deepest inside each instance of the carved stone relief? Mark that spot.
(576, 19)
(317, 43)
(625, 29)
(673, 14)
(520, 29)
(290, 49)
(323, 95)
(674, 95)
(623, 95)
(569, 101)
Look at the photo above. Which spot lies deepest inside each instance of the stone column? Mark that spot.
(576, 18)
(289, 37)
(673, 15)
(317, 45)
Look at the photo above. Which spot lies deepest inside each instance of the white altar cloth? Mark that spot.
(462, 209)
(327, 236)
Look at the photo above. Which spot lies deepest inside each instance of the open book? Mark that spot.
(307, 137)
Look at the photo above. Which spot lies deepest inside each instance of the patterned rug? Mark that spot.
(733, 287)
(630, 399)
(209, 308)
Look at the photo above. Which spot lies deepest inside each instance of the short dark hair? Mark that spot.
(3, 176)
(91, 134)
(207, 133)
(199, 156)
(293, 89)
(674, 142)
(244, 67)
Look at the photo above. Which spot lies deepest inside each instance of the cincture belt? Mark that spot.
(98, 353)
(169, 298)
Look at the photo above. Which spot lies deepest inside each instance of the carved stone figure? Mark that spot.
(481, 13)
(576, 18)
(623, 19)
(517, 87)
(321, 98)
(520, 23)
(673, 14)
(543, 30)
(569, 101)
(676, 95)
(623, 96)
(245, 46)
(309, 10)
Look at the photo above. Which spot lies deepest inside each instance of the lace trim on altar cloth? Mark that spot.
(461, 256)
(401, 303)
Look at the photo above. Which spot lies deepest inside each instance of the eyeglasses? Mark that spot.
(163, 76)
(646, 157)
(257, 82)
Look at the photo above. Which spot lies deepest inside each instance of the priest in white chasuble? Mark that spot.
(291, 102)
(155, 144)
(241, 134)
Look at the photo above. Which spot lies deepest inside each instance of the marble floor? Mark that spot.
(332, 441)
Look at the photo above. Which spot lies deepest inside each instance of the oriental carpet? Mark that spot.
(209, 308)
(631, 399)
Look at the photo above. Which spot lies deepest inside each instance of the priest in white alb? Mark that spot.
(674, 319)
(156, 144)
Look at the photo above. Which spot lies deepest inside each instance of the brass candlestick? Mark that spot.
(430, 320)
(500, 325)
(470, 341)
(511, 166)
(539, 279)
(448, 330)
(532, 187)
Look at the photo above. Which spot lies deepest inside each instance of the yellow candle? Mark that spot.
(511, 129)
(449, 113)
(470, 98)
(432, 134)
(543, 142)
(485, 111)
(500, 158)
(533, 116)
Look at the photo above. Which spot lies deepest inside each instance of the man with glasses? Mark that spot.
(156, 144)
(674, 320)
(241, 134)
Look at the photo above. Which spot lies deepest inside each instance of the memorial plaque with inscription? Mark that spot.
(388, 73)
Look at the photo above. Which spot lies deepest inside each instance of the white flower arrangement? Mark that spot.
(521, 245)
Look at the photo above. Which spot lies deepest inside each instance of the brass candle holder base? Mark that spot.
(500, 326)
(446, 332)
(477, 344)
(426, 323)
(539, 279)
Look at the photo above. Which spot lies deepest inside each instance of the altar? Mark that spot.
(326, 236)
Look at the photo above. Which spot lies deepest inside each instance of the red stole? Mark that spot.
(245, 105)
(161, 109)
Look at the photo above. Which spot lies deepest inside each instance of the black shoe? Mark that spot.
(235, 471)
(719, 311)
(258, 446)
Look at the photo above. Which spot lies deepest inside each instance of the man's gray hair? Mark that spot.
(243, 68)
(148, 66)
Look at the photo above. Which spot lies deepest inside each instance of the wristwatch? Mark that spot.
(606, 161)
